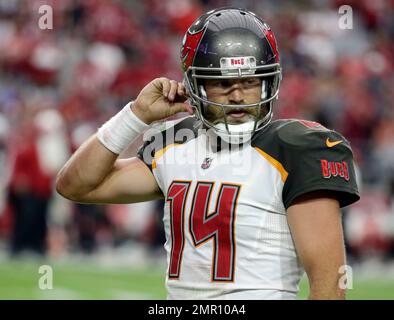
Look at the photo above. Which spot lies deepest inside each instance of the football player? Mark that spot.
(250, 203)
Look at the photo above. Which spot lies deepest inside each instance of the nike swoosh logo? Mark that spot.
(331, 144)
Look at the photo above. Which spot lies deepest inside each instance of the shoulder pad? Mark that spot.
(308, 134)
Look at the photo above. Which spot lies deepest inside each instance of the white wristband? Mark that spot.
(121, 130)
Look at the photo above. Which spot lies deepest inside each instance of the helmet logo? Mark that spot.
(272, 41)
(190, 44)
(269, 35)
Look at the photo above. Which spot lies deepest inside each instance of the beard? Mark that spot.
(216, 114)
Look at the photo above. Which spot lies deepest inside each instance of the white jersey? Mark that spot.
(225, 216)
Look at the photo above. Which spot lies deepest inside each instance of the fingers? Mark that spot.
(172, 89)
(189, 109)
(181, 93)
(175, 93)
(182, 90)
(181, 107)
(166, 86)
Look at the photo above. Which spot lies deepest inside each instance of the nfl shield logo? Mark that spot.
(207, 163)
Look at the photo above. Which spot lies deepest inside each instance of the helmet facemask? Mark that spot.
(260, 112)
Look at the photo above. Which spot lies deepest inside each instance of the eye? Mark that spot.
(224, 83)
(251, 82)
(219, 83)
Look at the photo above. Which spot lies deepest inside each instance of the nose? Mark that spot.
(236, 95)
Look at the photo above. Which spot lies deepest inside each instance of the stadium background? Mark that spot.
(57, 86)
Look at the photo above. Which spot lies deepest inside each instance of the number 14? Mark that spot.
(203, 226)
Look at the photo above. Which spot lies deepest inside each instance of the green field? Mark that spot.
(19, 280)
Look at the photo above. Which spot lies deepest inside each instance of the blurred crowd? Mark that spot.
(57, 86)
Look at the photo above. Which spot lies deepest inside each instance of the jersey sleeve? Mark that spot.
(163, 134)
(146, 151)
(318, 159)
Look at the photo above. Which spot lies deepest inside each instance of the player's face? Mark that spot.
(232, 91)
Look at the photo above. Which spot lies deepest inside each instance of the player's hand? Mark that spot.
(160, 99)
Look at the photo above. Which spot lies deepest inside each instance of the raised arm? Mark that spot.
(94, 174)
(315, 224)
